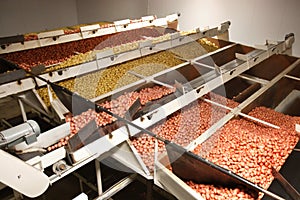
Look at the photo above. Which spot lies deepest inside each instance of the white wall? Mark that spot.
(110, 10)
(23, 16)
(252, 21)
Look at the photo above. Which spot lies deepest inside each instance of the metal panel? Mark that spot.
(174, 185)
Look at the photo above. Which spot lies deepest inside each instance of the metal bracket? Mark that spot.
(289, 40)
(224, 27)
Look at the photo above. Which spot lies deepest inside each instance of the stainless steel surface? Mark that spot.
(290, 105)
(238, 88)
(126, 154)
(174, 185)
(286, 185)
(271, 67)
(262, 98)
(225, 56)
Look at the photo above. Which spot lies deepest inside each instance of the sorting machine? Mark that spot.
(265, 75)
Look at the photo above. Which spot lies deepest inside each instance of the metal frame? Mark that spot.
(58, 36)
(175, 185)
(103, 61)
(120, 136)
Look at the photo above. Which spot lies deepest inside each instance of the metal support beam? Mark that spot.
(23, 112)
(292, 77)
(85, 181)
(98, 176)
(117, 187)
